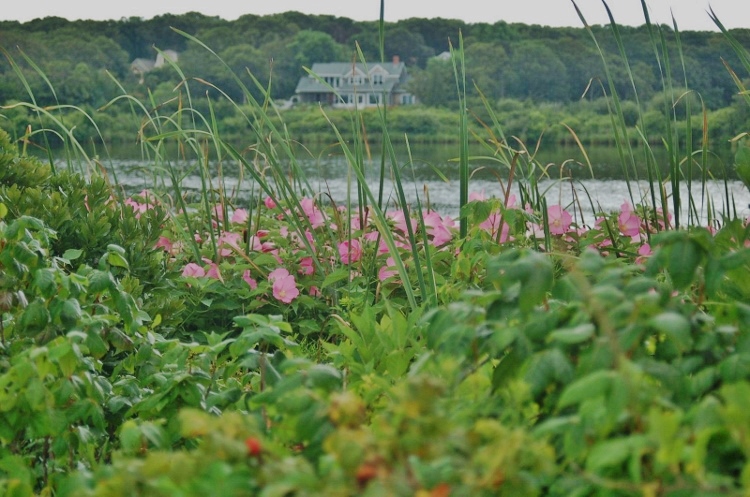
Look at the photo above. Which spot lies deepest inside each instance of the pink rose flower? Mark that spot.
(277, 273)
(239, 216)
(227, 241)
(164, 243)
(314, 215)
(306, 266)
(193, 270)
(137, 207)
(388, 270)
(350, 251)
(249, 280)
(269, 203)
(643, 252)
(628, 222)
(492, 223)
(477, 196)
(285, 288)
(400, 221)
(213, 272)
(438, 228)
(559, 220)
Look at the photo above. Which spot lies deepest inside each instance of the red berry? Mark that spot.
(365, 473)
(254, 447)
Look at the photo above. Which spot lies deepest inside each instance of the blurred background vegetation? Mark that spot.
(535, 77)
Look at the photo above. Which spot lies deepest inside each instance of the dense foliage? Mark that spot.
(513, 65)
(554, 359)
(198, 342)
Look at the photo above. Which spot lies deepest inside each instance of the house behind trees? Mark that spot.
(347, 84)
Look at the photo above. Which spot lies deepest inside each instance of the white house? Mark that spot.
(141, 66)
(347, 84)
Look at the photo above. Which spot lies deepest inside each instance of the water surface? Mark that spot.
(431, 174)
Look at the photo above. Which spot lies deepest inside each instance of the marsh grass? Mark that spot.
(677, 139)
(269, 162)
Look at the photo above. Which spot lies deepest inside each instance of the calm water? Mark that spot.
(327, 171)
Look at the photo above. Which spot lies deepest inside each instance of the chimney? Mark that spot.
(396, 60)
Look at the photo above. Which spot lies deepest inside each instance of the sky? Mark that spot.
(689, 14)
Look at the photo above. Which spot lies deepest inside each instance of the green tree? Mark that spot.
(221, 37)
(538, 73)
(408, 45)
(435, 85)
(245, 60)
(487, 65)
(436, 34)
(309, 47)
(284, 72)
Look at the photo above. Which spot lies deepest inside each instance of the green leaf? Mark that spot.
(65, 357)
(70, 313)
(325, 376)
(20, 483)
(735, 368)
(742, 164)
(591, 385)
(532, 270)
(340, 274)
(23, 254)
(702, 381)
(116, 259)
(72, 254)
(676, 327)
(684, 259)
(125, 305)
(733, 260)
(96, 344)
(608, 453)
(100, 281)
(546, 368)
(536, 274)
(714, 276)
(555, 426)
(510, 364)
(130, 437)
(44, 280)
(573, 335)
(115, 249)
(34, 318)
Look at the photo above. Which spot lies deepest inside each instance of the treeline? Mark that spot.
(88, 63)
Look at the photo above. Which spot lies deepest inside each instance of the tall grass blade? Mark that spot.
(379, 219)
(459, 70)
(619, 128)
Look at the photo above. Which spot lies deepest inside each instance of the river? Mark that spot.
(567, 179)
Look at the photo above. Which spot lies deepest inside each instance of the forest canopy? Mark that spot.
(88, 63)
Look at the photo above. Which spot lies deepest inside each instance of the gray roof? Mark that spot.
(391, 77)
(142, 65)
(342, 68)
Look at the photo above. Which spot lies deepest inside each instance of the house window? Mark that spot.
(374, 99)
(377, 79)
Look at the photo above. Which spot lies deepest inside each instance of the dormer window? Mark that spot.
(377, 79)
